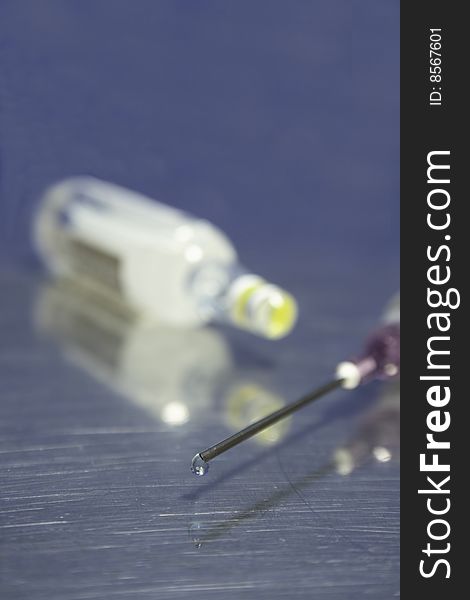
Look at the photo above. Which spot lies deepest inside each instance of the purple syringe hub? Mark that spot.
(381, 357)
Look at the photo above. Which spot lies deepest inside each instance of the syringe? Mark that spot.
(380, 359)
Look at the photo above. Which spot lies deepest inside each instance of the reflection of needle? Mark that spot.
(261, 506)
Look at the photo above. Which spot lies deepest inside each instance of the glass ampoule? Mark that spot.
(162, 261)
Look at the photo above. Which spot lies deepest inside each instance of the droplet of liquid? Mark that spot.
(199, 466)
(195, 534)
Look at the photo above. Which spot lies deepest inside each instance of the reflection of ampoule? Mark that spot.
(248, 402)
(165, 263)
(167, 371)
(378, 435)
(173, 373)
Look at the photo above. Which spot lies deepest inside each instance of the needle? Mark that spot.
(199, 464)
(380, 359)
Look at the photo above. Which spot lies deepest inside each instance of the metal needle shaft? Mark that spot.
(254, 428)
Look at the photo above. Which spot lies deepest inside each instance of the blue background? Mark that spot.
(279, 122)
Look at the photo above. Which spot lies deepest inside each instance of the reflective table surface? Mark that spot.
(99, 420)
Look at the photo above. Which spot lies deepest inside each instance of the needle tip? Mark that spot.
(199, 466)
